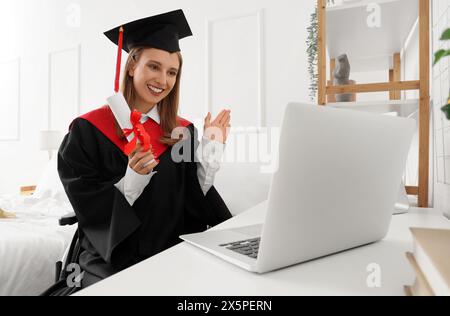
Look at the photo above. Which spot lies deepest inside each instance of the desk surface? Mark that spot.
(185, 270)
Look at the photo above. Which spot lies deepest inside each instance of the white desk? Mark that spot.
(185, 270)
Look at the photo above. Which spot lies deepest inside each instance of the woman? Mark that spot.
(131, 208)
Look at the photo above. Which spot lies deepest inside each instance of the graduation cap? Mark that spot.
(161, 31)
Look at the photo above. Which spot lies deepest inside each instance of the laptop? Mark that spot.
(335, 189)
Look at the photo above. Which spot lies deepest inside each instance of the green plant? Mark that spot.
(311, 50)
(442, 52)
(437, 57)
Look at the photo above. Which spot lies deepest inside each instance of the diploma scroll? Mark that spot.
(130, 123)
(121, 111)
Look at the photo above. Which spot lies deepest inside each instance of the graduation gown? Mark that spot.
(115, 234)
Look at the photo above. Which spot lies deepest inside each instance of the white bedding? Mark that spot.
(31, 243)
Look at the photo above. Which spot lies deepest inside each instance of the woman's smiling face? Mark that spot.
(154, 76)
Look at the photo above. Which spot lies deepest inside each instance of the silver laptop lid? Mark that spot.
(337, 183)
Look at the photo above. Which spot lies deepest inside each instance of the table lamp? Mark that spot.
(49, 141)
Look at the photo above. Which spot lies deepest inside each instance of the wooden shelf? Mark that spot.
(375, 87)
(344, 29)
(350, 29)
(404, 108)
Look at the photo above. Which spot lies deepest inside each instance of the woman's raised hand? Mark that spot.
(221, 125)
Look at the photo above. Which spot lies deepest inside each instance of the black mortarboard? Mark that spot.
(161, 31)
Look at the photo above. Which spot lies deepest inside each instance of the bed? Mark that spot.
(31, 240)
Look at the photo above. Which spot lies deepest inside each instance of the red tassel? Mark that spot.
(119, 61)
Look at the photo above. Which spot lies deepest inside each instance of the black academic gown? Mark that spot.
(115, 234)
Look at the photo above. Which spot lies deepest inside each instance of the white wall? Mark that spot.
(20, 160)
(440, 93)
(38, 29)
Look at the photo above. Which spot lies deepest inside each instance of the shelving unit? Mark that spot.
(378, 47)
(404, 108)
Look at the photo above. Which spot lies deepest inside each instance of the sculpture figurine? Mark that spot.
(341, 77)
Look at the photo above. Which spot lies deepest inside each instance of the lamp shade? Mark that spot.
(50, 140)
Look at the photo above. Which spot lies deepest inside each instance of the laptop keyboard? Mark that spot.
(247, 247)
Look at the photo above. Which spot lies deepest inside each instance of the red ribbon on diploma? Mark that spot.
(139, 134)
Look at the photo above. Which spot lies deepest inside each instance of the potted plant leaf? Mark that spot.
(437, 57)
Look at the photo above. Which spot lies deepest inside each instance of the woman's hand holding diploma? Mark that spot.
(142, 162)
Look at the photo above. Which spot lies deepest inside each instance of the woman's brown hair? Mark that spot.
(168, 107)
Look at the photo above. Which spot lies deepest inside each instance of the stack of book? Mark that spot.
(430, 260)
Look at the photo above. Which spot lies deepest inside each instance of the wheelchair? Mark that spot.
(72, 256)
